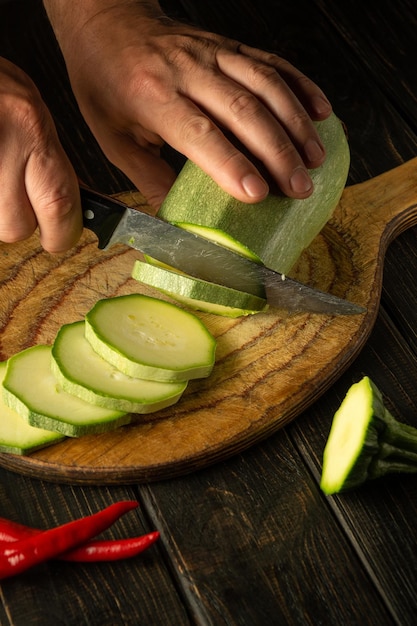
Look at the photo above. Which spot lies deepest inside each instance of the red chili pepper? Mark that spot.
(29, 551)
(90, 551)
(13, 531)
(111, 550)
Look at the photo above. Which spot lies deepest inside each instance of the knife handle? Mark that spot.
(101, 214)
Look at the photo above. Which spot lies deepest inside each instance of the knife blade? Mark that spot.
(114, 222)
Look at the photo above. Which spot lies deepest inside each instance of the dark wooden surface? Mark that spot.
(253, 541)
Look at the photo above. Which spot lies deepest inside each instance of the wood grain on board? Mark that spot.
(269, 367)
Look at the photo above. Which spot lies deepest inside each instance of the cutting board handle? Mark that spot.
(369, 216)
(381, 208)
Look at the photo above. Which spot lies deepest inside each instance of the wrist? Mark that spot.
(70, 19)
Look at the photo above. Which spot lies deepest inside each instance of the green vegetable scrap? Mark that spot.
(366, 441)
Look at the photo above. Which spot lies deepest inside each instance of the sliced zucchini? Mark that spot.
(220, 237)
(148, 338)
(276, 230)
(198, 294)
(16, 435)
(30, 389)
(82, 372)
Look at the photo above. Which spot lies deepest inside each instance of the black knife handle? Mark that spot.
(101, 214)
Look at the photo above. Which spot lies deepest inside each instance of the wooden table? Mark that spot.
(252, 540)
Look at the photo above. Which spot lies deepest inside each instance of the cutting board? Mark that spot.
(269, 367)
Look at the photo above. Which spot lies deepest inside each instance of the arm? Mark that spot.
(38, 186)
(142, 79)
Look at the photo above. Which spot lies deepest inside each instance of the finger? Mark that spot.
(38, 186)
(142, 165)
(258, 90)
(195, 135)
(17, 219)
(308, 93)
(53, 193)
(187, 129)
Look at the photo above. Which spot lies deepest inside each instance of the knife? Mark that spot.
(114, 222)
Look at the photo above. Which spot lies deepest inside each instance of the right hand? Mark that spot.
(142, 80)
(38, 186)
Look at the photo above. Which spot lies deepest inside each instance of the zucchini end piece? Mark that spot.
(347, 438)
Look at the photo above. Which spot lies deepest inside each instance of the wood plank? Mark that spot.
(253, 542)
(390, 55)
(382, 36)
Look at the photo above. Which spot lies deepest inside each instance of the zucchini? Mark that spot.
(30, 389)
(220, 237)
(82, 372)
(276, 230)
(365, 441)
(16, 435)
(148, 338)
(198, 294)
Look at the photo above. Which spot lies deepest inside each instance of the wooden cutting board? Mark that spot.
(270, 367)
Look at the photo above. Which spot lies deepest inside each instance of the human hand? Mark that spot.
(142, 80)
(38, 186)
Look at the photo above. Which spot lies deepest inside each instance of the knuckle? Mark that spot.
(243, 104)
(181, 56)
(262, 75)
(25, 108)
(284, 150)
(56, 206)
(299, 123)
(299, 120)
(150, 86)
(196, 129)
(302, 82)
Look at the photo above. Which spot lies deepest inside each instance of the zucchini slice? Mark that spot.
(30, 389)
(198, 294)
(276, 230)
(82, 372)
(149, 338)
(220, 237)
(16, 435)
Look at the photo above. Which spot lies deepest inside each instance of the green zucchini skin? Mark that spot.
(152, 339)
(31, 390)
(365, 441)
(198, 294)
(275, 230)
(16, 435)
(80, 371)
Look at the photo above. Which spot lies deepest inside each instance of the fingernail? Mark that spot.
(254, 186)
(300, 181)
(321, 105)
(313, 150)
